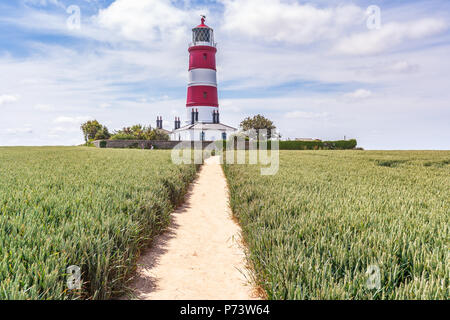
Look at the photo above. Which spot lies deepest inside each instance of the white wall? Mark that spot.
(210, 135)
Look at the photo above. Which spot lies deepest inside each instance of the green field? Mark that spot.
(315, 227)
(94, 208)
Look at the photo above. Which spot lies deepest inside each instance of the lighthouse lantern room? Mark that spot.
(202, 105)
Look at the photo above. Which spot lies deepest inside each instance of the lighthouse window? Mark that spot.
(205, 56)
(205, 94)
(201, 34)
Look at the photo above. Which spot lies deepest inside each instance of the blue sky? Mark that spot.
(314, 67)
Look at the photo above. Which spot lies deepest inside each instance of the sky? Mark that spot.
(319, 69)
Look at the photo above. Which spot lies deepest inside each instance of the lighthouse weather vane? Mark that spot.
(203, 18)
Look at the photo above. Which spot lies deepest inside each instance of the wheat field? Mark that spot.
(93, 208)
(317, 228)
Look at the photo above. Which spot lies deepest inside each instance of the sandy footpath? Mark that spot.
(200, 255)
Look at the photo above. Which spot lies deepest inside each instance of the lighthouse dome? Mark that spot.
(202, 35)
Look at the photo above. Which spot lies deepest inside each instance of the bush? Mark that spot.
(123, 136)
(389, 163)
(103, 144)
(103, 133)
(93, 130)
(307, 145)
(318, 145)
(341, 144)
(139, 132)
(89, 144)
(300, 145)
(159, 135)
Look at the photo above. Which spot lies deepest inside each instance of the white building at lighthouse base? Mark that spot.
(202, 131)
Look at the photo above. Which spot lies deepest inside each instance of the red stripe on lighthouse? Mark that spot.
(203, 57)
(202, 96)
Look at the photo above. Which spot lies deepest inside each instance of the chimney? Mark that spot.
(159, 122)
(192, 116)
(177, 123)
(196, 115)
(217, 117)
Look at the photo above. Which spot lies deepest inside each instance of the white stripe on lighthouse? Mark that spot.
(202, 77)
(205, 113)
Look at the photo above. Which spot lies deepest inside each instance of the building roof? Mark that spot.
(205, 126)
(164, 130)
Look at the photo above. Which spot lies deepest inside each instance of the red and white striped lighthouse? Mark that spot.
(203, 120)
(202, 102)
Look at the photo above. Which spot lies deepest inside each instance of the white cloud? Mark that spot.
(389, 36)
(306, 115)
(22, 130)
(72, 120)
(403, 67)
(57, 130)
(146, 20)
(359, 94)
(44, 3)
(290, 22)
(6, 98)
(43, 107)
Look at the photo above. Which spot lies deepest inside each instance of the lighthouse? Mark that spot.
(202, 103)
(202, 100)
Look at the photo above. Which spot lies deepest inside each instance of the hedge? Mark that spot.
(318, 145)
(301, 145)
(311, 145)
(341, 144)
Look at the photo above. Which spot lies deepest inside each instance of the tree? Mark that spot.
(90, 129)
(157, 134)
(139, 132)
(102, 134)
(257, 123)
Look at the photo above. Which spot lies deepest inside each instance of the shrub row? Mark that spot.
(318, 145)
(311, 145)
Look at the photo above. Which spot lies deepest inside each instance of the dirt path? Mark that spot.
(200, 255)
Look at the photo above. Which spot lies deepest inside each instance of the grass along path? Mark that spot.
(200, 256)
